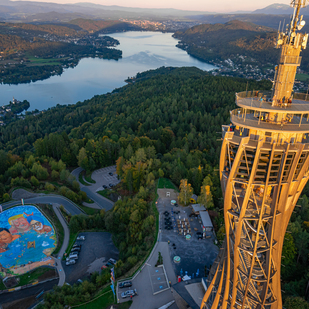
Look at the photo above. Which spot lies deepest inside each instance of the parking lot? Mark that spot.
(157, 279)
(194, 253)
(96, 249)
(102, 177)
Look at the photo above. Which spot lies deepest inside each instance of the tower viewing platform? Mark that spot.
(258, 112)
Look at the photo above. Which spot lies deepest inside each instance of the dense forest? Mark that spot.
(164, 124)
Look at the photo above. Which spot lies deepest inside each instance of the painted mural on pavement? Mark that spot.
(27, 239)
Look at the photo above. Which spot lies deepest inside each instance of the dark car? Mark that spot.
(110, 174)
(111, 185)
(77, 246)
(125, 284)
(199, 235)
(104, 187)
(77, 249)
(112, 261)
(107, 265)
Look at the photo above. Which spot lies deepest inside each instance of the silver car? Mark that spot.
(129, 293)
(70, 262)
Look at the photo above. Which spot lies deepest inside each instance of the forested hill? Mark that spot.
(176, 112)
(245, 44)
(222, 41)
(104, 26)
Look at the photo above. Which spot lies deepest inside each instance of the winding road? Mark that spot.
(90, 190)
(45, 199)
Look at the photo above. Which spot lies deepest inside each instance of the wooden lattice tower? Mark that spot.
(264, 168)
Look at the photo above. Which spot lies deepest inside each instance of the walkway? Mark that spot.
(99, 200)
(146, 282)
(30, 198)
(64, 246)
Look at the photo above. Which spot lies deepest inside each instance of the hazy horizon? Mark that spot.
(194, 5)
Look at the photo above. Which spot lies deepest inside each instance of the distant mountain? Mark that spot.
(276, 8)
(102, 26)
(27, 10)
(280, 9)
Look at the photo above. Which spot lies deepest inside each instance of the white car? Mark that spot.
(81, 238)
(70, 262)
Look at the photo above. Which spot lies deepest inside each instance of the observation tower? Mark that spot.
(263, 168)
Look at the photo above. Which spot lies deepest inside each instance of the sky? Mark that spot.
(194, 5)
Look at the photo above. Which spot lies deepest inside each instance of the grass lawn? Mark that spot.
(71, 243)
(89, 201)
(81, 180)
(49, 212)
(104, 193)
(105, 301)
(302, 77)
(2, 286)
(44, 61)
(29, 277)
(166, 183)
(88, 210)
(89, 179)
(32, 276)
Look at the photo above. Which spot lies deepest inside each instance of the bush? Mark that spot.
(55, 175)
(6, 197)
(296, 303)
(49, 187)
(63, 190)
(75, 185)
(34, 181)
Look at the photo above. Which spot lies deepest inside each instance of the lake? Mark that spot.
(141, 51)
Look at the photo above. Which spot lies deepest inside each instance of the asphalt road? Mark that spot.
(8, 297)
(70, 207)
(100, 200)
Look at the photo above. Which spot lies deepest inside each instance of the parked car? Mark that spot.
(112, 261)
(106, 265)
(110, 174)
(70, 262)
(129, 293)
(199, 235)
(79, 281)
(125, 284)
(105, 187)
(76, 249)
(73, 256)
(81, 238)
(76, 245)
(111, 185)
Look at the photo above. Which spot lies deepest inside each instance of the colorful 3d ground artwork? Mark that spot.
(27, 239)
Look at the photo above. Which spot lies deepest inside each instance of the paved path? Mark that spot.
(76, 173)
(35, 290)
(64, 246)
(146, 282)
(44, 199)
(100, 201)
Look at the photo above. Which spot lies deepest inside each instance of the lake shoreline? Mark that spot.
(142, 51)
